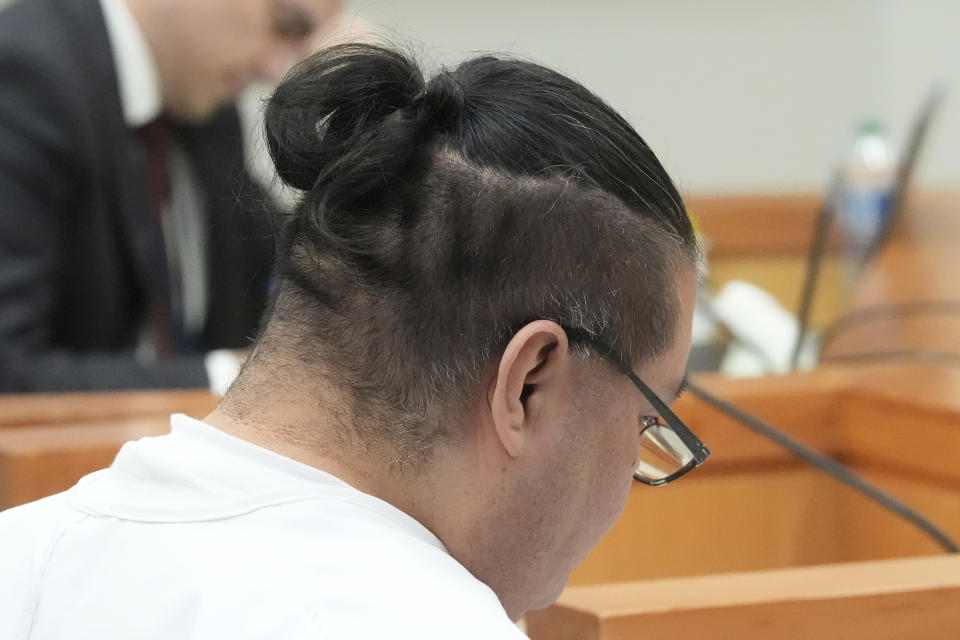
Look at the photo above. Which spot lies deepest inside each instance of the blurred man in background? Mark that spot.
(134, 252)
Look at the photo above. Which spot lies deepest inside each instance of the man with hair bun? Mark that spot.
(482, 311)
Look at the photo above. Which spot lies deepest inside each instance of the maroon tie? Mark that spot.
(157, 136)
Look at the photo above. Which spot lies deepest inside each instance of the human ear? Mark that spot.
(536, 355)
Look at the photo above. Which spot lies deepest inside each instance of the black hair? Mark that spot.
(438, 217)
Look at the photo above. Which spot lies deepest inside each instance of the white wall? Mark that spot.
(732, 95)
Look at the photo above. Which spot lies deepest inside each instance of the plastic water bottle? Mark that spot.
(866, 189)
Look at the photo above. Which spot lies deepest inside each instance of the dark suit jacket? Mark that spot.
(78, 252)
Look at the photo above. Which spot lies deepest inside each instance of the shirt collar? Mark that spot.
(136, 67)
(199, 473)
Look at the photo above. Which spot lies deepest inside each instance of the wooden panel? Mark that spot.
(756, 224)
(901, 436)
(48, 442)
(895, 339)
(800, 404)
(47, 409)
(39, 461)
(719, 523)
(721, 517)
(884, 600)
(931, 389)
(867, 531)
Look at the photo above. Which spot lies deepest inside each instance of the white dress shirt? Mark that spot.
(197, 534)
(137, 77)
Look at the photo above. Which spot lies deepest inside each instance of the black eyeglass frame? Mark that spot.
(692, 442)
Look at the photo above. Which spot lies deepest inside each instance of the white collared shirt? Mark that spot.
(197, 534)
(139, 82)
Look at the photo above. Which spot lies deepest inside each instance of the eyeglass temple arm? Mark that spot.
(700, 450)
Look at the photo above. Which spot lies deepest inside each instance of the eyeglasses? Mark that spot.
(667, 451)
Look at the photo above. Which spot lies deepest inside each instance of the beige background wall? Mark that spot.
(733, 95)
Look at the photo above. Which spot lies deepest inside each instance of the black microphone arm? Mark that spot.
(825, 463)
(811, 279)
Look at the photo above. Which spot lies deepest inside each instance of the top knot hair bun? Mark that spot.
(351, 118)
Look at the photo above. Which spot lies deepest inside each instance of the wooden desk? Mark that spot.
(48, 442)
(75, 408)
(912, 599)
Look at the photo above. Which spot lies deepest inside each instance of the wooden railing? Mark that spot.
(915, 599)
